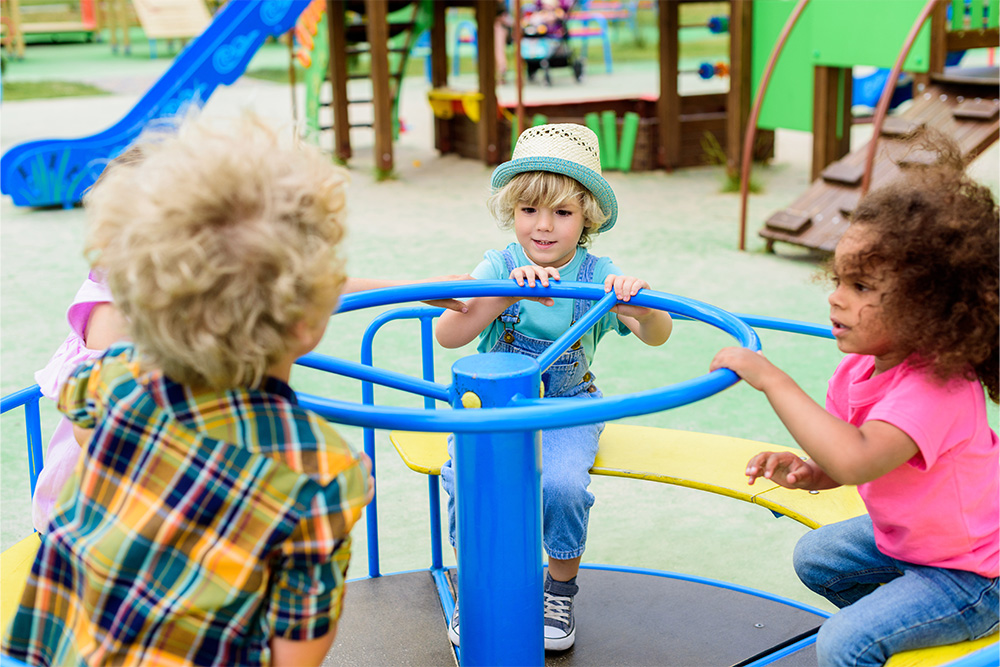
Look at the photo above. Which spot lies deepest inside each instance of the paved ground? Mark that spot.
(676, 230)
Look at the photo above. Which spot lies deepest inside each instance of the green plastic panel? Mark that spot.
(975, 10)
(992, 11)
(833, 33)
(958, 14)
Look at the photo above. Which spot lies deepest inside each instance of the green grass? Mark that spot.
(29, 90)
(276, 74)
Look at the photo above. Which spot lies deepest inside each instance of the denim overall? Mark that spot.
(567, 453)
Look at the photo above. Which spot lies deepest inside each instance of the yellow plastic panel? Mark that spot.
(15, 563)
(697, 460)
(942, 655)
(421, 452)
(814, 509)
(674, 457)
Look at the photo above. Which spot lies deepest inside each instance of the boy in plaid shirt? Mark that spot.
(208, 520)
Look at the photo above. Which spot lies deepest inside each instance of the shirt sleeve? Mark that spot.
(491, 268)
(308, 585)
(83, 397)
(937, 416)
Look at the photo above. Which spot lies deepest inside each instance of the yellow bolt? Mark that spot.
(470, 400)
(541, 390)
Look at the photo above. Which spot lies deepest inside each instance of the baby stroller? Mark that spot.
(545, 39)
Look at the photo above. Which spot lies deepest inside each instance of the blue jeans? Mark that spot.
(888, 605)
(567, 453)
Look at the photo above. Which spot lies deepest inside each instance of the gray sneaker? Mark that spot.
(453, 626)
(560, 624)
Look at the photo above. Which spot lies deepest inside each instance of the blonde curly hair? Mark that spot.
(215, 246)
(549, 190)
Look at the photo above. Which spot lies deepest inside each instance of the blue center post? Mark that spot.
(499, 517)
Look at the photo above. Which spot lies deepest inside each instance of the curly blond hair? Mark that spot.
(216, 245)
(549, 190)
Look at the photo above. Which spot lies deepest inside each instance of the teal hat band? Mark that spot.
(577, 147)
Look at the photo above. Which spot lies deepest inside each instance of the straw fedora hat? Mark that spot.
(567, 149)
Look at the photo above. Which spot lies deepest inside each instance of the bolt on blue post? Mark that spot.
(499, 518)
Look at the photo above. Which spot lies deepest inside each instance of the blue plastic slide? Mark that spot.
(53, 172)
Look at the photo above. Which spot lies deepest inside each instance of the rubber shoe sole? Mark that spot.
(560, 643)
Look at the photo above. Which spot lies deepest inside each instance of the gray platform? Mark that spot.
(623, 618)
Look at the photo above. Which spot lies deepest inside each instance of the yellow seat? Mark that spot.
(943, 655)
(674, 457)
(15, 563)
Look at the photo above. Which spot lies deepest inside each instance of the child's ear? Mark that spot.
(303, 334)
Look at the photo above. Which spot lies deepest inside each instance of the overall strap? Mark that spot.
(511, 316)
(585, 275)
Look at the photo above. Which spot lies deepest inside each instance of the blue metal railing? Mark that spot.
(29, 398)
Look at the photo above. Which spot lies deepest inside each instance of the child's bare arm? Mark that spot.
(788, 470)
(364, 284)
(652, 327)
(104, 327)
(455, 328)
(289, 653)
(846, 453)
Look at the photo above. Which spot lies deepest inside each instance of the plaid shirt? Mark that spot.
(199, 525)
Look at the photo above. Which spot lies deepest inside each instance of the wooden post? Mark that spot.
(831, 116)
(378, 45)
(338, 79)
(16, 30)
(740, 79)
(668, 109)
(121, 11)
(939, 44)
(439, 72)
(486, 15)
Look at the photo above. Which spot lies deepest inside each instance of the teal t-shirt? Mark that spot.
(548, 322)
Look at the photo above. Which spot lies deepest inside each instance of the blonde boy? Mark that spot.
(208, 520)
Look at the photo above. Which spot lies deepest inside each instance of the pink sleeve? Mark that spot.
(91, 294)
(73, 350)
(936, 416)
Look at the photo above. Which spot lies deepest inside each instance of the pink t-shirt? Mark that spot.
(940, 508)
(63, 450)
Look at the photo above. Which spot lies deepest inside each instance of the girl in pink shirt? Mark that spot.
(915, 307)
(94, 324)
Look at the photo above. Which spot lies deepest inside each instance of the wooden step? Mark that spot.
(791, 222)
(976, 110)
(843, 172)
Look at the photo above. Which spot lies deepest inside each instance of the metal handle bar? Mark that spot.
(527, 413)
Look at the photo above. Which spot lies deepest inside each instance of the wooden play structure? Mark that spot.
(384, 32)
(961, 102)
(671, 127)
(159, 20)
(36, 17)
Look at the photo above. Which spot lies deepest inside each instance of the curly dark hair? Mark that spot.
(937, 232)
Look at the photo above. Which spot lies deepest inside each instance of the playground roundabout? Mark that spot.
(625, 615)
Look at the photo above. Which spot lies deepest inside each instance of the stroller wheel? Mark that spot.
(578, 70)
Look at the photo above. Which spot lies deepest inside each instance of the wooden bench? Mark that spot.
(36, 17)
